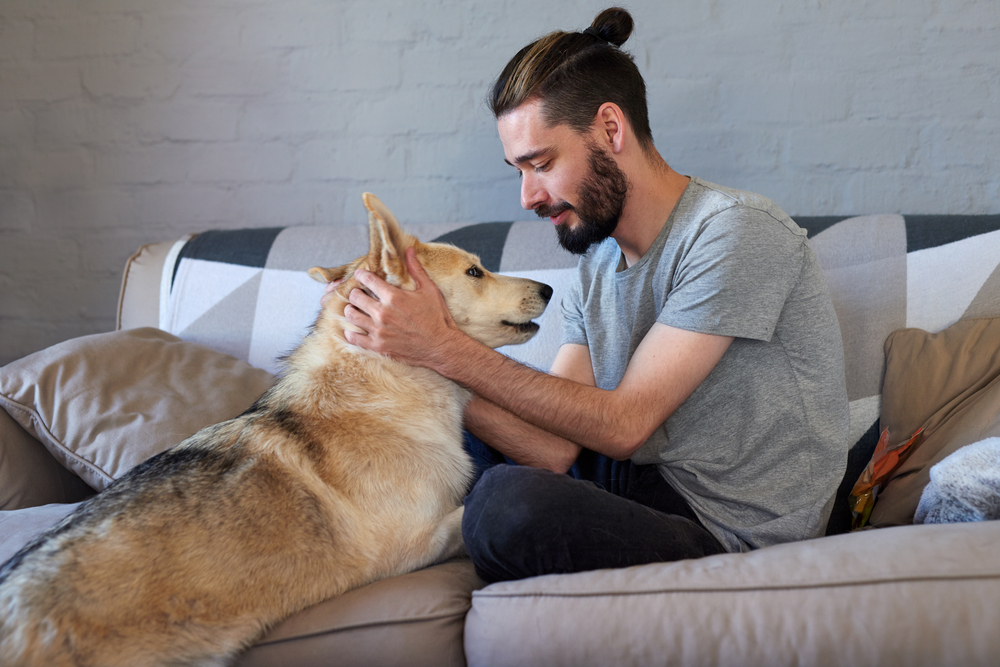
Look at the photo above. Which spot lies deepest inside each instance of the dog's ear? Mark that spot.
(387, 242)
(329, 275)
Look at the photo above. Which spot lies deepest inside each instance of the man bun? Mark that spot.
(571, 74)
(614, 25)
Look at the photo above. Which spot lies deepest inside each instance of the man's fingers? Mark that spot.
(374, 283)
(416, 268)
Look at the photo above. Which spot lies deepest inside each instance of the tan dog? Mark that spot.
(350, 469)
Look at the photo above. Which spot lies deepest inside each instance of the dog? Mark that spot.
(350, 469)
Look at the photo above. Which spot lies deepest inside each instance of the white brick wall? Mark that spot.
(129, 121)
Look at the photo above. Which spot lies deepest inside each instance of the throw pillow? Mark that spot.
(29, 476)
(949, 384)
(104, 403)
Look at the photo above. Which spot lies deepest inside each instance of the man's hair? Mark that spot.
(573, 73)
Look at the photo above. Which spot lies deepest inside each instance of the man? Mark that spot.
(698, 400)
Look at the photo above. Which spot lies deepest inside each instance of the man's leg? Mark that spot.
(522, 522)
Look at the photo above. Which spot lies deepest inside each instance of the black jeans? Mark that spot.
(522, 522)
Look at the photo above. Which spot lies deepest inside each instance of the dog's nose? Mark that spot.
(546, 292)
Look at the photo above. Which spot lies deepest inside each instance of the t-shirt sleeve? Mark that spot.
(574, 330)
(734, 278)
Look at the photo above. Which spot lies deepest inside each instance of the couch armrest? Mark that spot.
(139, 298)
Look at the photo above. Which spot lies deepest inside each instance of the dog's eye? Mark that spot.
(474, 272)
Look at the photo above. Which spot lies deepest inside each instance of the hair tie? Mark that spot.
(594, 32)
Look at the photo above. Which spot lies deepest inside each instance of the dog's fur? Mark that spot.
(350, 469)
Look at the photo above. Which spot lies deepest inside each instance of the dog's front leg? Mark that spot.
(447, 540)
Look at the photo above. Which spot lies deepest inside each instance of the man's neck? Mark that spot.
(654, 191)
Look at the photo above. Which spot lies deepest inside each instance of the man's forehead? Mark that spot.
(526, 136)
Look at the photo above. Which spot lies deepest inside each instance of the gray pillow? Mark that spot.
(104, 403)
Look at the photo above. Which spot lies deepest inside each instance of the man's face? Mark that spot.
(566, 177)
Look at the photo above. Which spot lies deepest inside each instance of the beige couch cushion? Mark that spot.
(102, 404)
(18, 527)
(949, 384)
(29, 475)
(415, 619)
(913, 595)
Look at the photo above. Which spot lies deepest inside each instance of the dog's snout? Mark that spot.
(545, 292)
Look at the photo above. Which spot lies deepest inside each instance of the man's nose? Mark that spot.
(532, 194)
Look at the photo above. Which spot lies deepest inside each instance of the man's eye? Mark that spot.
(543, 167)
(474, 272)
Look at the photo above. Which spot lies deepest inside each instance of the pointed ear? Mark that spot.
(387, 242)
(328, 275)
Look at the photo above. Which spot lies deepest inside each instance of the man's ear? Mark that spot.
(387, 242)
(610, 123)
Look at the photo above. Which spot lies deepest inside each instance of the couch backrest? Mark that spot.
(245, 292)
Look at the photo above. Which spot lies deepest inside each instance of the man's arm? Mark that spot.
(526, 443)
(415, 326)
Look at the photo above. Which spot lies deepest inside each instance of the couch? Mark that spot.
(204, 320)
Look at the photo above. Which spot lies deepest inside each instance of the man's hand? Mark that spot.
(328, 291)
(412, 326)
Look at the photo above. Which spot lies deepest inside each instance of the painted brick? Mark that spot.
(16, 39)
(270, 28)
(107, 77)
(126, 121)
(184, 208)
(144, 165)
(73, 37)
(270, 205)
(76, 212)
(18, 126)
(81, 121)
(295, 118)
(187, 120)
(17, 210)
(237, 163)
(213, 77)
(362, 67)
(176, 35)
(357, 159)
(869, 146)
(38, 83)
(59, 170)
(400, 21)
(420, 111)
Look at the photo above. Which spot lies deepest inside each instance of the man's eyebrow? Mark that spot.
(528, 157)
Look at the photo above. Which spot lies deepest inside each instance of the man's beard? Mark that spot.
(602, 200)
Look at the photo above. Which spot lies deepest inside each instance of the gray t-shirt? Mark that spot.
(760, 447)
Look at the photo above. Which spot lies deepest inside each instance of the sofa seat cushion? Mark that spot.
(18, 527)
(913, 595)
(414, 619)
(104, 403)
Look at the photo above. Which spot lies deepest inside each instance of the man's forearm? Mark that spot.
(574, 412)
(523, 442)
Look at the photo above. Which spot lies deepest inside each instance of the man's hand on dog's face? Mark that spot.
(412, 326)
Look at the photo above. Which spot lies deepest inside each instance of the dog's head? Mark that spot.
(494, 309)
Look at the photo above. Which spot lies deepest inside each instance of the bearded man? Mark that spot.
(697, 404)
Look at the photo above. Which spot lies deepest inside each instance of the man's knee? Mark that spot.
(502, 512)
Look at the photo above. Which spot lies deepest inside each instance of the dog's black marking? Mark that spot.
(154, 471)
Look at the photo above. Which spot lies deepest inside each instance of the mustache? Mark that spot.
(544, 211)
